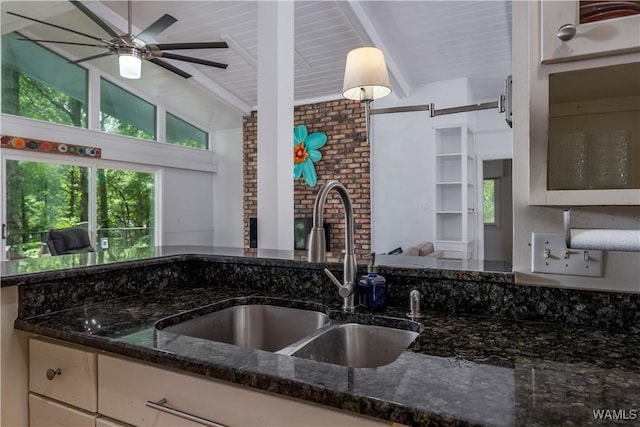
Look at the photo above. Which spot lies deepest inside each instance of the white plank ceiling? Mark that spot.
(423, 41)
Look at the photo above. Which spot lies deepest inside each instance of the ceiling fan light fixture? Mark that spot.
(130, 61)
(365, 75)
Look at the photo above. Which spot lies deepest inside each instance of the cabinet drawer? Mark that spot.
(47, 413)
(108, 422)
(76, 380)
(126, 386)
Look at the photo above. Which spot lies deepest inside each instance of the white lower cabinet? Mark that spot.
(63, 385)
(139, 394)
(45, 412)
(108, 422)
(72, 386)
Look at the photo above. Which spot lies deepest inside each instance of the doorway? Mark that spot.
(495, 216)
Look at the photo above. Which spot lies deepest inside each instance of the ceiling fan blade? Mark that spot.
(58, 26)
(171, 68)
(156, 28)
(95, 18)
(204, 45)
(88, 58)
(194, 60)
(61, 42)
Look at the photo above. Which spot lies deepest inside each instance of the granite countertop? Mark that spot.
(24, 270)
(461, 370)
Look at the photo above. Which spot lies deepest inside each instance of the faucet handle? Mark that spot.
(346, 290)
(343, 290)
(333, 278)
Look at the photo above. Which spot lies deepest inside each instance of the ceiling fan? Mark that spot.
(131, 49)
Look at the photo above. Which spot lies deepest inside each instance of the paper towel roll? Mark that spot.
(605, 239)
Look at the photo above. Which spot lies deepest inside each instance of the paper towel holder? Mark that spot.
(626, 244)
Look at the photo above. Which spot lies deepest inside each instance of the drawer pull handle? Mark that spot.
(160, 406)
(51, 373)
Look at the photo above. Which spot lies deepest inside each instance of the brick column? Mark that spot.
(345, 157)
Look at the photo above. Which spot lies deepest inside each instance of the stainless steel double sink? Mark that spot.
(308, 332)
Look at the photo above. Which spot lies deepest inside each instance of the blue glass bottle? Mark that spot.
(372, 290)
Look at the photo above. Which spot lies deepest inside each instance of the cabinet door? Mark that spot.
(534, 102)
(48, 413)
(605, 37)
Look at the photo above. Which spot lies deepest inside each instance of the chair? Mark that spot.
(69, 241)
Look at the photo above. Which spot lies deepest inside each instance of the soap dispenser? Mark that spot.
(372, 289)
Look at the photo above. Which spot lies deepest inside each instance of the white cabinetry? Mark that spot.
(455, 191)
(72, 386)
(63, 385)
(107, 422)
(139, 394)
(596, 95)
(598, 38)
(45, 412)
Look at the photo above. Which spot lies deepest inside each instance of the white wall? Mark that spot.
(228, 190)
(493, 136)
(403, 162)
(187, 207)
(493, 140)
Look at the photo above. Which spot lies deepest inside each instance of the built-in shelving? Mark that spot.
(455, 191)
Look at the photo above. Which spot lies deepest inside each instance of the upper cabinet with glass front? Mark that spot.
(593, 138)
(577, 103)
(582, 29)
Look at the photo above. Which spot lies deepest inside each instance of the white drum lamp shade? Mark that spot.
(365, 75)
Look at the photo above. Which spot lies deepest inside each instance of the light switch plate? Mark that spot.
(549, 254)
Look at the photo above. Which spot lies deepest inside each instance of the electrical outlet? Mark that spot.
(549, 254)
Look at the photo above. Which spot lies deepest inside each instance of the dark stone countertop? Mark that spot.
(462, 370)
(34, 270)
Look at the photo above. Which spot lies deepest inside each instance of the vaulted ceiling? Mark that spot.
(423, 41)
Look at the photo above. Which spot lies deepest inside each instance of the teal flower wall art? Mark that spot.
(306, 153)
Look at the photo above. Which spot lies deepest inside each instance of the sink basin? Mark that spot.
(357, 346)
(304, 330)
(257, 326)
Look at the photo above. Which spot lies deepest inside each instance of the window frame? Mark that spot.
(92, 165)
(156, 108)
(94, 100)
(168, 113)
(87, 85)
(497, 202)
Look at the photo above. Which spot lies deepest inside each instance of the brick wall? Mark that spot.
(345, 157)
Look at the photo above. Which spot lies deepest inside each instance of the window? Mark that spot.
(125, 202)
(41, 196)
(182, 133)
(491, 205)
(123, 113)
(40, 84)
